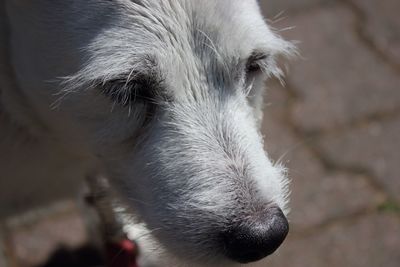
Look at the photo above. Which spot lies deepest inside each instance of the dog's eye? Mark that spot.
(255, 62)
(126, 93)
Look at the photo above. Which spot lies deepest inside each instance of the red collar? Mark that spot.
(122, 254)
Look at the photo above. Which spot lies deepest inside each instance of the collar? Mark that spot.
(122, 253)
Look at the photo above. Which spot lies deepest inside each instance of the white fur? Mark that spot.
(197, 163)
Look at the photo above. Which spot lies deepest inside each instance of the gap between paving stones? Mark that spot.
(361, 18)
(344, 219)
(331, 166)
(326, 162)
(373, 117)
(378, 116)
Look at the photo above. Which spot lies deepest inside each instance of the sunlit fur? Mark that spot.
(188, 162)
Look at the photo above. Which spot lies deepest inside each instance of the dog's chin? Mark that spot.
(183, 263)
(183, 260)
(175, 261)
(168, 259)
(153, 253)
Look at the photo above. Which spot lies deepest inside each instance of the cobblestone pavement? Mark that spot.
(336, 125)
(338, 121)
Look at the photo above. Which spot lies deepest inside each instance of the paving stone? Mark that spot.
(33, 242)
(382, 25)
(370, 241)
(373, 146)
(317, 196)
(339, 80)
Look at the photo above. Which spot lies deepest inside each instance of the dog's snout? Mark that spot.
(258, 237)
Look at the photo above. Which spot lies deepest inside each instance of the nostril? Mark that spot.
(258, 237)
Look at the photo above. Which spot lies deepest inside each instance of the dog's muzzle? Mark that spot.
(256, 238)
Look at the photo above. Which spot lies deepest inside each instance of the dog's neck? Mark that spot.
(27, 145)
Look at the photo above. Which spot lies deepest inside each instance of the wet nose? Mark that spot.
(258, 237)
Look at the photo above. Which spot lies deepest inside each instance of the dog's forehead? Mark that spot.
(207, 38)
(184, 39)
(101, 39)
(237, 24)
(185, 35)
(234, 26)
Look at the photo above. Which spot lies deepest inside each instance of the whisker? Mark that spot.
(278, 17)
(138, 201)
(291, 149)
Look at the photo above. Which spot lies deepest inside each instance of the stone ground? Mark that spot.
(336, 125)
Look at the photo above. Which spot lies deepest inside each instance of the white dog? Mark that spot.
(164, 98)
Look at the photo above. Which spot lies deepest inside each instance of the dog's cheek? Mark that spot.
(255, 99)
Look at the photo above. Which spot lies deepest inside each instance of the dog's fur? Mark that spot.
(164, 97)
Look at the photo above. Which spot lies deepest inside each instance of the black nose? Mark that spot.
(258, 237)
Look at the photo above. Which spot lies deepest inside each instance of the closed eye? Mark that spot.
(141, 89)
(256, 62)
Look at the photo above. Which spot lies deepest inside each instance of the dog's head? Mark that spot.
(167, 95)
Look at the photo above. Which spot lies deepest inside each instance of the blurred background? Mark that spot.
(335, 124)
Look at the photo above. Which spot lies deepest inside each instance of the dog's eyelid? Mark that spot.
(137, 87)
(258, 55)
(256, 60)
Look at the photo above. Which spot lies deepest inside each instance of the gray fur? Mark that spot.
(189, 161)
